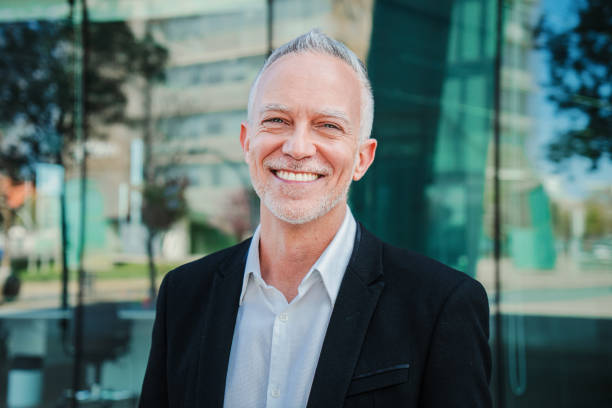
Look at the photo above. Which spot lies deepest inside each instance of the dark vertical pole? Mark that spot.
(270, 22)
(64, 243)
(78, 318)
(497, 204)
(65, 320)
(63, 227)
(148, 175)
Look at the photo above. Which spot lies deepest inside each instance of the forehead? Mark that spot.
(310, 80)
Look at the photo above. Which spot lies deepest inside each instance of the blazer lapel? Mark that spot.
(361, 287)
(218, 328)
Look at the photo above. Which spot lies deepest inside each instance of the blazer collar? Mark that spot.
(355, 304)
(218, 327)
(359, 293)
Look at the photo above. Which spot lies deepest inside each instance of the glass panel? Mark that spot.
(429, 174)
(431, 187)
(36, 110)
(166, 181)
(156, 97)
(556, 180)
(155, 92)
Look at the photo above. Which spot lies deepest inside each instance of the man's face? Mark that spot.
(302, 144)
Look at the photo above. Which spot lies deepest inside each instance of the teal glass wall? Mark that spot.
(431, 188)
(433, 120)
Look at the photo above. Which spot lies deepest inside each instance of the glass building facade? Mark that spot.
(119, 160)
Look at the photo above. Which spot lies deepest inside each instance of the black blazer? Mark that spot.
(405, 331)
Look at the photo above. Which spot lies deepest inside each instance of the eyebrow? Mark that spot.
(338, 114)
(334, 114)
(274, 107)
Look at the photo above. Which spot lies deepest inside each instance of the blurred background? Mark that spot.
(119, 160)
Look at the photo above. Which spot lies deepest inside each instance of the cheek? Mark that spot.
(261, 147)
(348, 162)
(249, 158)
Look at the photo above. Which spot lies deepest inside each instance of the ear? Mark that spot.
(244, 140)
(365, 157)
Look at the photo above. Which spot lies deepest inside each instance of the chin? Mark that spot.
(298, 214)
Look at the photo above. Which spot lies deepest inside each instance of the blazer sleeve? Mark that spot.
(458, 367)
(154, 387)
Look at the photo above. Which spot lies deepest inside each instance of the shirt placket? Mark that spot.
(279, 356)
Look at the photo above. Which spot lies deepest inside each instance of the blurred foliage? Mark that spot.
(580, 75)
(37, 91)
(163, 203)
(598, 220)
(40, 66)
(206, 238)
(561, 221)
(14, 162)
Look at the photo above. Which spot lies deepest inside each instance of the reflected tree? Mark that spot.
(238, 213)
(580, 80)
(14, 181)
(164, 203)
(37, 98)
(598, 218)
(37, 90)
(164, 200)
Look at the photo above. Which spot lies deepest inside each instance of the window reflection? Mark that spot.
(166, 183)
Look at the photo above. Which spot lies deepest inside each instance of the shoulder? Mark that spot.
(411, 265)
(199, 274)
(418, 277)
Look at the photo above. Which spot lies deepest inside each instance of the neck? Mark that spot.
(288, 251)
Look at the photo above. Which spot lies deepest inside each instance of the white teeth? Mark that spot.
(290, 176)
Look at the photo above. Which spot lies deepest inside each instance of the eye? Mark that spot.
(331, 126)
(274, 120)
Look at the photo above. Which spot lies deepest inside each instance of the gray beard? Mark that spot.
(298, 216)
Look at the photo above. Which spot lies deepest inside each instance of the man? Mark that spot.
(314, 310)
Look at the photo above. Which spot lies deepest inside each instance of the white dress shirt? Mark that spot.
(276, 345)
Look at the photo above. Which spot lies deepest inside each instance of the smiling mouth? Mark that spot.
(295, 176)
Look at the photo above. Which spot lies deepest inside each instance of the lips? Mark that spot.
(296, 176)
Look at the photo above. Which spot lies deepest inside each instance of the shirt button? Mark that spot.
(283, 317)
(275, 392)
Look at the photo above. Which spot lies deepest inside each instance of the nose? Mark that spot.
(299, 144)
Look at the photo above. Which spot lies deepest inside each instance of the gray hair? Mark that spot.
(316, 41)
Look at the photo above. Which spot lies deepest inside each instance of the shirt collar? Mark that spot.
(333, 261)
(331, 265)
(252, 263)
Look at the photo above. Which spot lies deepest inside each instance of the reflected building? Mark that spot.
(430, 188)
(193, 115)
(526, 216)
(434, 117)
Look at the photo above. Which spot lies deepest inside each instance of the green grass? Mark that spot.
(120, 271)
